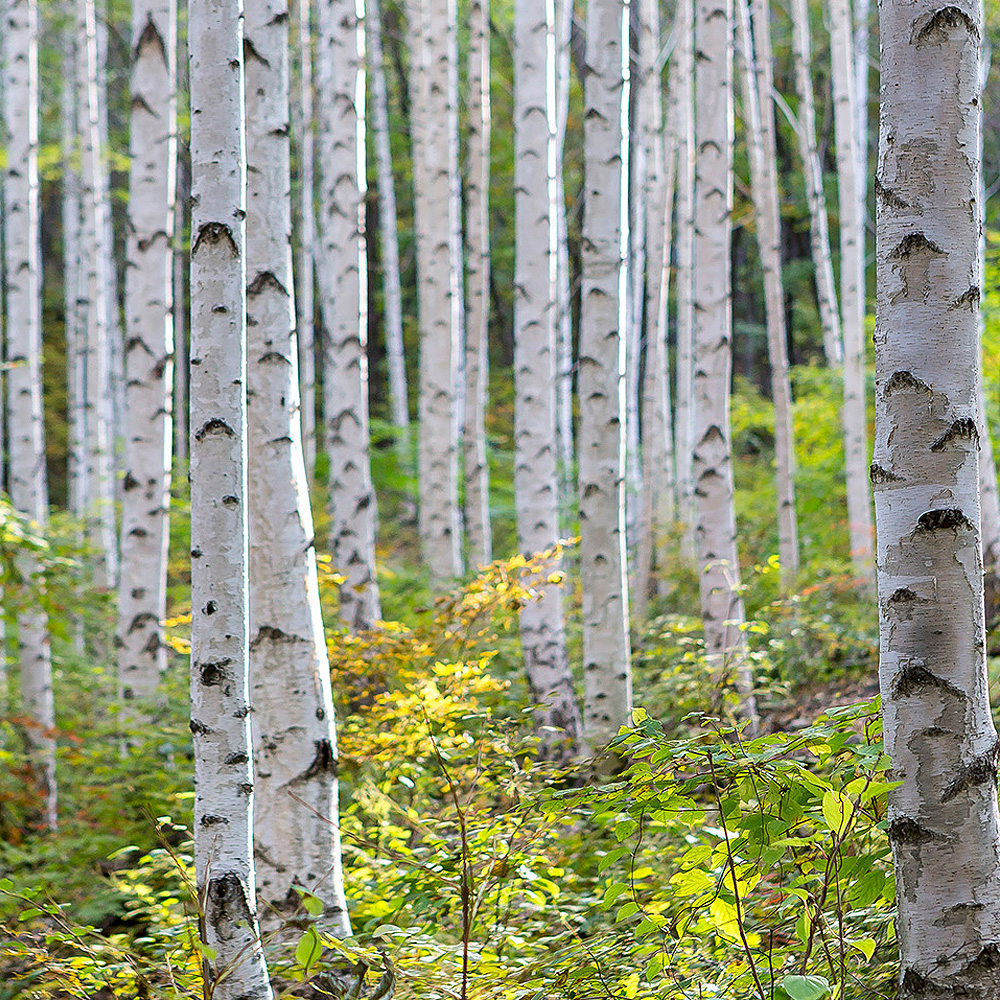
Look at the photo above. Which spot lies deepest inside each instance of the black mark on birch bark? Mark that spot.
(880, 476)
(904, 380)
(214, 426)
(980, 771)
(265, 281)
(945, 519)
(914, 678)
(215, 233)
(964, 429)
(934, 28)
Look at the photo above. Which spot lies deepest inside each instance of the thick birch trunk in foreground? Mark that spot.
(715, 529)
(657, 510)
(305, 304)
(939, 732)
(477, 480)
(684, 416)
(434, 120)
(96, 257)
(536, 480)
(142, 591)
(220, 707)
(296, 836)
(388, 237)
(23, 324)
(343, 275)
(606, 651)
(812, 171)
(758, 82)
(852, 289)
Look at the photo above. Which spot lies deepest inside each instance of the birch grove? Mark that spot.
(149, 349)
(220, 704)
(939, 731)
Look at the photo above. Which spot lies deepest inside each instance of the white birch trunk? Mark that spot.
(434, 111)
(861, 41)
(819, 230)
(657, 509)
(305, 302)
(23, 325)
(95, 254)
(343, 275)
(477, 480)
(758, 82)
(536, 478)
(683, 81)
(939, 731)
(296, 834)
(606, 651)
(220, 707)
(715, 531)
(852, 289)
(149, 354)
(388, 222)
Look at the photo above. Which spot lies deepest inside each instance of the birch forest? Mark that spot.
(497, 500)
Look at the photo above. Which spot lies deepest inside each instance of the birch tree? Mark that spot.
(812, 172)
(344, 298)
(220, 707)
(434, 121)
(715, 531)
(296, 837)
(477, 480)
(388, 223)
(758, 83)
(142, 591)
(536, 479)
(606, 651)
(939, 731)
(23, 325)
(852, 288)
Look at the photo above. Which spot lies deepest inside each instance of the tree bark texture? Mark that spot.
(296, 834)
(434, 120)
(23, 325)
(715, 529)
(149, 350)
(343, 282)
(606, 650)
(758, 113)
(220, 707)
(939, 732)
(536, 472)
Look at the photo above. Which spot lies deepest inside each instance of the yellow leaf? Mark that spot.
(724, 917)
(866, 946)
(838, 811)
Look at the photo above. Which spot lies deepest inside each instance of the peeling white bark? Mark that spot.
(536, 480)
(296, 833)
(939, 731)
(343, 283)
(220, 708)
(715, 531)
(23, 325)
(149, 352)
(605, 608)
(477, 225)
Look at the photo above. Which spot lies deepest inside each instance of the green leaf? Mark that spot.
(309, 948)
(837, 811)
(613, 891)
(624, 912)
(806, 987)
(611, 857)
(313, 905)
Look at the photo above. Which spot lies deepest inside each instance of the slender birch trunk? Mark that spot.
(715, 530)
(684, 416)
(220, 708)
(852, 289)
(939, 731)
(296, 833)
(812, 170)
(758, 82)
(343, 275)
(434, 120)
(564, 314)
(388, 225)
(657, 509)
(536, 474)
(181, 353)
(95, 254)
(861, 41)
(23, 325)
(305, 325)
(606, 651)
(149, 357)
(477, 479)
